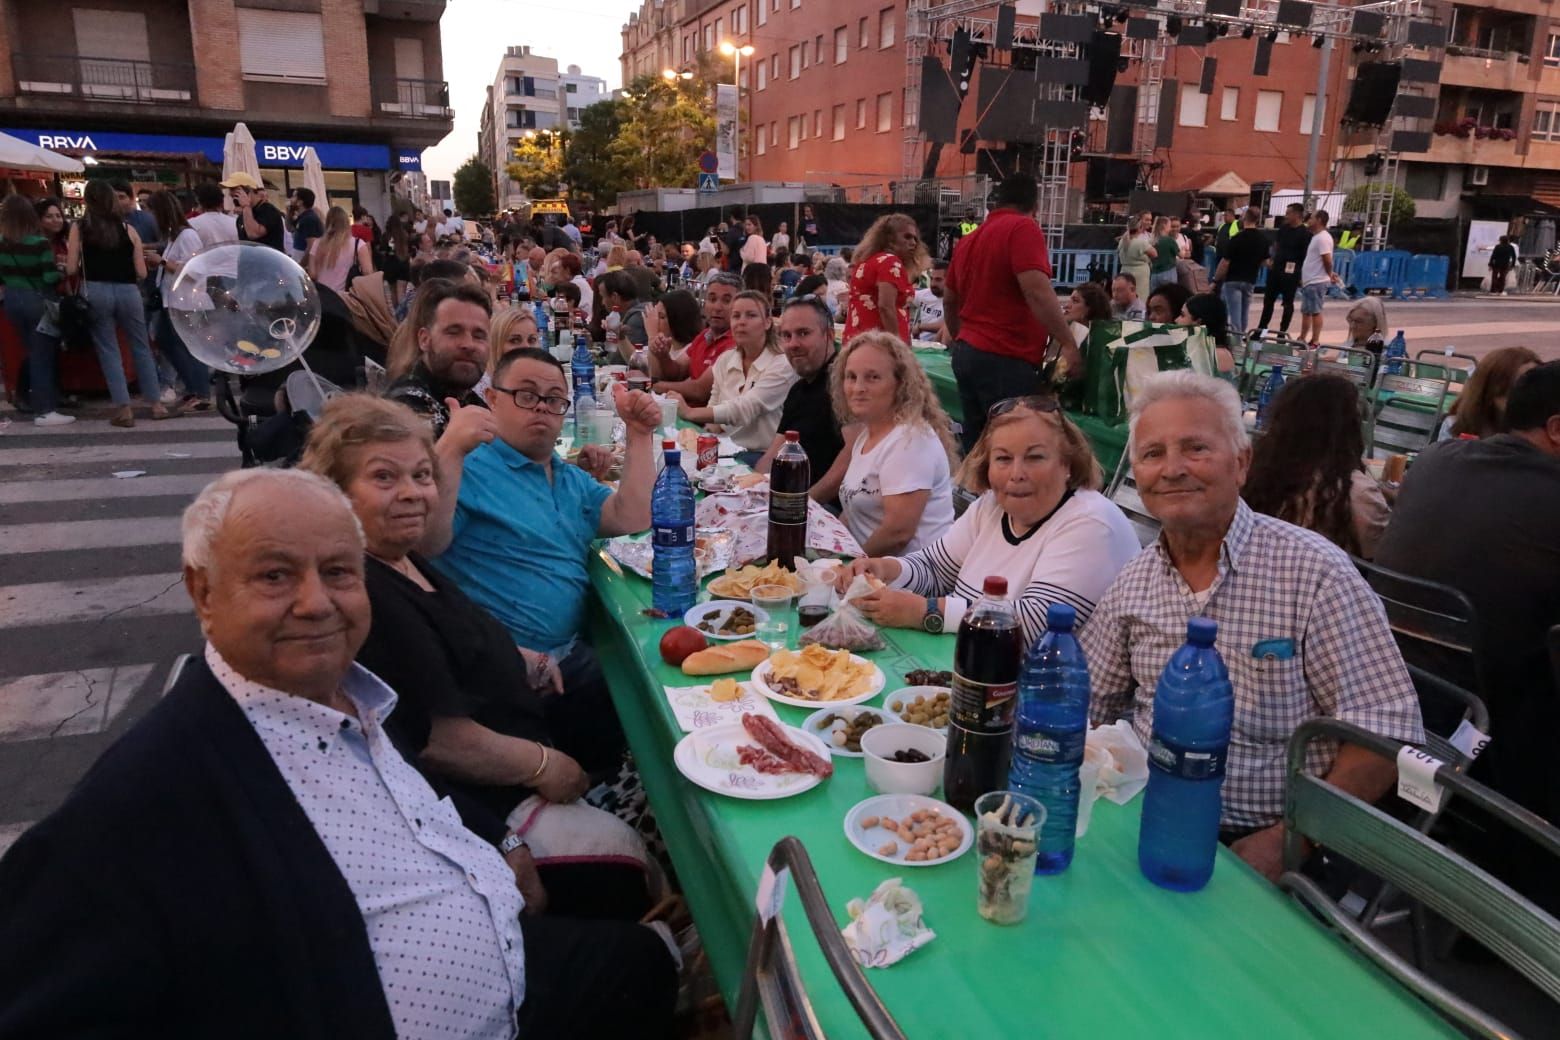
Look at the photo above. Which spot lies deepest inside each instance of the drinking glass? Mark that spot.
(774, 600)
(668, 413)
(1007, 839)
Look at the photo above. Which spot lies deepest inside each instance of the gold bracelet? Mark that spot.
(539, 769)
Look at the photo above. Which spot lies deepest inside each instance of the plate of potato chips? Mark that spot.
(817, 675)
(740, 583)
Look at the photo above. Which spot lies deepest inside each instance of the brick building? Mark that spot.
(149, 87)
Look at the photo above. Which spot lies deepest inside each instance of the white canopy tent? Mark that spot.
(16, 154)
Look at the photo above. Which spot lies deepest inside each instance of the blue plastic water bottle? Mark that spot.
(583, 370)
(1397, 352)
(540, 309)
(1270, 389)
(675, 575)
(1194, 707)
(1049, 732)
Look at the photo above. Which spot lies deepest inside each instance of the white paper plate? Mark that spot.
(898, 806)
(875, 687)
(909, 693)
(716, 610)
(708, 757)
(814, 724)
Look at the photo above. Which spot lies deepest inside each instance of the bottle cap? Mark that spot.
(1201, 631)
(668, 444)
(1059, 617)
(995, 586)
(792, 436)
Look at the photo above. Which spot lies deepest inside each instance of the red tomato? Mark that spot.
(679, 642)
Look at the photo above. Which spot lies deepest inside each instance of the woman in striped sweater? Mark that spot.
(31, 276)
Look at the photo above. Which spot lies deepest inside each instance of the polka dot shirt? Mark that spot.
(440, 905)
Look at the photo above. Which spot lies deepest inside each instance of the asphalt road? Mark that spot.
(1475, 325)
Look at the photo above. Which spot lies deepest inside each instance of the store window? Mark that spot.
(281, 45)
(1270, 107)
(1194, 106)
(841, 45)
(885, 112)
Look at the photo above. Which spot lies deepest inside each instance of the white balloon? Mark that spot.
(245, 308)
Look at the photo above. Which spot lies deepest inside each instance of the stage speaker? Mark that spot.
(1094, 178)
(960, 59)
(1164, 129)
(1104, 51)
(1210, 67)
(1263, 58)
(940, 99)
(1375, 88)
(1067, 28)
(1070, 71)
(1295, 14)
(1372, 24)
(1422, 34)
(1121, 121)
(1143, 28)
(1004, 35)
(1417, 70)
(1110, 178)
(1193, 36)
(1223, 8)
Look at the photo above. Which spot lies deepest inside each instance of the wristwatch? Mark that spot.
(512, 842)
(933, 619)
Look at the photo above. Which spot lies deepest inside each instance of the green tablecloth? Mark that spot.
(1103, 952)
(1109, 442)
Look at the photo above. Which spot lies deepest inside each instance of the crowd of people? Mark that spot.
(415, 802)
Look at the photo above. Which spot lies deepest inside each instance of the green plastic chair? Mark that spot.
(1407, 409)
(1504, 922)
(1123, 491)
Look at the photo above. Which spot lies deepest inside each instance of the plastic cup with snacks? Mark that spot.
(1007, 839)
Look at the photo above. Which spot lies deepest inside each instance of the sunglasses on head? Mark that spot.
(1034, 402)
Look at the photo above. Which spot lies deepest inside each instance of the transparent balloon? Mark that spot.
(244, 308)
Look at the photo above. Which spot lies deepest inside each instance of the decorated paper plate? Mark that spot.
(875, 840)
(716, 612)
(875, 684)
(709, 758)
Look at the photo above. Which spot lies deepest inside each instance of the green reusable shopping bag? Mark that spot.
(1124, 355)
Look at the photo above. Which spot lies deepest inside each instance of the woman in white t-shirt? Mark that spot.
(897, 491)
(1041, 523)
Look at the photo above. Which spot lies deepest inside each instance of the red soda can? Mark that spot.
(708, 447)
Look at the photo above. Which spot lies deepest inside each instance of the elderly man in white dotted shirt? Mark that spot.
(255, 859)
(1300, 631)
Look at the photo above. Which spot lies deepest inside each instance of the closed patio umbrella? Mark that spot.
(314, 180)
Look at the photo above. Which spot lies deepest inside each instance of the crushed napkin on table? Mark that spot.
(696, 709)
(886, 926)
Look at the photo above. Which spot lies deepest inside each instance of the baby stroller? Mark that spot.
(273, 411)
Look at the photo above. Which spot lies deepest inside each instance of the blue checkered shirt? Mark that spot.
(1300, 632)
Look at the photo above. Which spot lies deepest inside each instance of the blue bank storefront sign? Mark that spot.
(333, 155)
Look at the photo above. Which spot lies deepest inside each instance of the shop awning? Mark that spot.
(16, 154)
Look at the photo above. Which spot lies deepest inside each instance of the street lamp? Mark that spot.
(672, 75)
(736, 54)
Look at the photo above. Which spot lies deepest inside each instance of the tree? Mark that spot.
(594, 177)
(666, 124)
(537, 163)
(1400, 208)
(473, 187)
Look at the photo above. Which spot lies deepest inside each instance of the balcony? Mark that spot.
(412, 98)
(71, 76)
(1492, 70)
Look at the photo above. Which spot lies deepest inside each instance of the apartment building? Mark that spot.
(529, 94)
(148, 88)
(579, 93)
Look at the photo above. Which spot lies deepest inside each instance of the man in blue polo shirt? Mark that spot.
(525, 519)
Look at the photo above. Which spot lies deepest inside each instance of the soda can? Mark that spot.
(708, 447)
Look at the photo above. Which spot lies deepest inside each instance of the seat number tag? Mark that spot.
(1469, 740)
(771, 892)
(1416, 779)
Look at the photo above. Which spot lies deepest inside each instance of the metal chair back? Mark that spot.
(772, 979)
(1460, 367)
(1435, 625)
(1262, 363)
(1123, 491)
(1406, 412)
(1504, 922)
(1356, 365)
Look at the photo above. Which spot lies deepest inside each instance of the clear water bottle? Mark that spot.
(1049, 730)
(1270, 389)
(1397, 353)
(582, 370)
(1194, 707)
(675, 574)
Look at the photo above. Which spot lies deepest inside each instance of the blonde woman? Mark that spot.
(897, 490)
(884, 268)
(750, 381)
(332, 255)
(1040, 522)
(513, 328)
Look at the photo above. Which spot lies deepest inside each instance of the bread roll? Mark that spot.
(741, 656)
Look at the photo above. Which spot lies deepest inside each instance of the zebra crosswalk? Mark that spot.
(92, 607)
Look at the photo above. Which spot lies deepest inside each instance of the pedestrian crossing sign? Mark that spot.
(708, 182)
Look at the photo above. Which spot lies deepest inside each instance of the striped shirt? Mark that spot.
(1301, 633)
(1070, 557)
(28, 264)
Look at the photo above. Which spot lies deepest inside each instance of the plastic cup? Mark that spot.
(1007, 837)
(668, 413)
(774, 600)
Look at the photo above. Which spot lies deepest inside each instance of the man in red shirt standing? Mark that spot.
(999, 307)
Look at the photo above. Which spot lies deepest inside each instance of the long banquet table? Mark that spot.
(1102, 953)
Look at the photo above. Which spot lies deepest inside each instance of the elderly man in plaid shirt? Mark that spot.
(1300, 631)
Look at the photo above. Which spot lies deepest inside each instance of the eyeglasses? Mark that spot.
(1034, 402)
(534, 402)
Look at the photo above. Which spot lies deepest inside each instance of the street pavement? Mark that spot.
(92, 609)
(1475, 325)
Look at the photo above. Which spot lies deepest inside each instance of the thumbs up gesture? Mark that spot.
(469, 425)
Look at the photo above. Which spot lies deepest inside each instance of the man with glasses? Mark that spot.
(694, 383)
(807, 340)
(524, 520)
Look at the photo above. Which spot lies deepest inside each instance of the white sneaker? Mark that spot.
(53, 419)
(169, 395)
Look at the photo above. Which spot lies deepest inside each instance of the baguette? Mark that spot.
(741, 656)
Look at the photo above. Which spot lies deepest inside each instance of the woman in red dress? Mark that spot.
(883, 269)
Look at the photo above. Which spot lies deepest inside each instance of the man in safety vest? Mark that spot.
(1349, 238)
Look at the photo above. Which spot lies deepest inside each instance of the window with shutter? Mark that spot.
(113, 48)
(281, 45)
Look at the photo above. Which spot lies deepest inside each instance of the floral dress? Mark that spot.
(862, 314)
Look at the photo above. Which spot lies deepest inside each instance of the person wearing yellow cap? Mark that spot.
(258, 220)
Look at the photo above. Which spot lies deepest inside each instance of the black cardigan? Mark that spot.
(180, 891)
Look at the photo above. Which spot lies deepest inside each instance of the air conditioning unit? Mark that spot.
(1478, 176)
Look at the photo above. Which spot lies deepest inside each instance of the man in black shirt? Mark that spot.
(452, 355)
(807, 340)
(307, 225)
(1244, 252)
(258, 220)
(1289, 246)
(736, 238)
